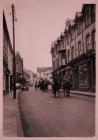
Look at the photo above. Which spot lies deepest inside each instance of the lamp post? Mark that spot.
(14, 63)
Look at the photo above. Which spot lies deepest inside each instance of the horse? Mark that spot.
(55, 88)
(66, 87)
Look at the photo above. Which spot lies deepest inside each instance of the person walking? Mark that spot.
(46, 84)
(68, 87)
(36, 85)
(64, 86)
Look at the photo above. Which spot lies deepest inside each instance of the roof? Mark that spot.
(43, 69)
(5, 30)
(85, 6)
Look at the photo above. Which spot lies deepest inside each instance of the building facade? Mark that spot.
(10, 66)
(26, 76)
(44, 72)
(19, 67)
(7, 59)
(74, 52)
(29, 77)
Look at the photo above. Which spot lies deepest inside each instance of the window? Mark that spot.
(93, 39)
(73, 35)
(83, 76)
(87, 18)
(79, 27)
(63, 54)
(79, 48)
(64, 43)
(58, 46)
(72, 52)
(57, 62)
(68, 40)
(88, 42)
(68, 55)
(63, 58)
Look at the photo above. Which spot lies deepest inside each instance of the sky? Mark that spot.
(39, 23)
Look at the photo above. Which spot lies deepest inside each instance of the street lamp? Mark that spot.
(14, 61)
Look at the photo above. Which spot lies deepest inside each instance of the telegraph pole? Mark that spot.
(14, 62)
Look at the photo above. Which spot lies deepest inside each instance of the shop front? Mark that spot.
(84, 75)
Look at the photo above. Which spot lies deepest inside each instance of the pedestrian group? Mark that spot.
(42, 84)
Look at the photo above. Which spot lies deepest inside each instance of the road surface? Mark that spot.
(42, 115)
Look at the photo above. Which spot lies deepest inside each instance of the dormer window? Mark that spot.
(88, 17)
(93, 10)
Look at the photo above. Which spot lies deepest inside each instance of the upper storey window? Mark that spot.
(79, 27)
(88, 42)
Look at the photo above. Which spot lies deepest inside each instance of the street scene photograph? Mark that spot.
(49, 68)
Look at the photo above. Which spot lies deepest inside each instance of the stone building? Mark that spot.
(74, 52)
(26, 76)
(19, 68)
(7, 59)
(33, 77)
(44, 72)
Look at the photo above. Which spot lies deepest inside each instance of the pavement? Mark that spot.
(85, 93)
(92, 94)
(11, 116)
(12, 126)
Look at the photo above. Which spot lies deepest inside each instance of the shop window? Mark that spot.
(83, 76)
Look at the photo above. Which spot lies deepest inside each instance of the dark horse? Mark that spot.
(66, 87)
